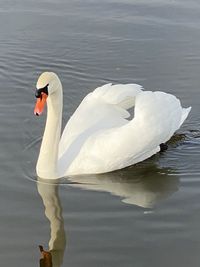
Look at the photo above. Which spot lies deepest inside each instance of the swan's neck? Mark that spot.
(48, 157)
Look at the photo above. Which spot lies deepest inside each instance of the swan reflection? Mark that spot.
(142, 185)
(53, 211)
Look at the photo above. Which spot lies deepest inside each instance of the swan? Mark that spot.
(100, 137)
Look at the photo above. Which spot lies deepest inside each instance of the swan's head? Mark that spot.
(47, 84)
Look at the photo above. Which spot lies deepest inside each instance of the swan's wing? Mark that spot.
(159, 113)
(102, 109)
(157, 116)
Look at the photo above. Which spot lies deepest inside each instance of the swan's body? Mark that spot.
(98, 138)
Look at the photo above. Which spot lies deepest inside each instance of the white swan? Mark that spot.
(99, 138)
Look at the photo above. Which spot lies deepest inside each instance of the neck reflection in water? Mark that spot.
(53, 211)
(143, 185)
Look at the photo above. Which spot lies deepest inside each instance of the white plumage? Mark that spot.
(99, 137)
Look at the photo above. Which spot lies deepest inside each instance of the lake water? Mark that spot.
(145, 216)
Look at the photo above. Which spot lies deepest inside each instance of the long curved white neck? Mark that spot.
(48, 157)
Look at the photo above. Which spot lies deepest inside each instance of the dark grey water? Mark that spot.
(147, 215)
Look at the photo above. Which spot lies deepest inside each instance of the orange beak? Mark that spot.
(40, 104)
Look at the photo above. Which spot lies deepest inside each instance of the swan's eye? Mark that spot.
(38, 92)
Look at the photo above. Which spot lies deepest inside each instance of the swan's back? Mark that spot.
(99, 137)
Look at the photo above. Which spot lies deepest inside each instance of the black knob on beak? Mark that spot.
(41, 90)
(37, 93)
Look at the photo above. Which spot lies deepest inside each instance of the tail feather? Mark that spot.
(185, 113)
